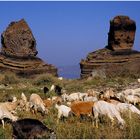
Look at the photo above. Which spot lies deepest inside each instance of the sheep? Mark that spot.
(31, 129)
(105, 108)
(82, 108)
(63, 111)
(4, 113)
(36, 103)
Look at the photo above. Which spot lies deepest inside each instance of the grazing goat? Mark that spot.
(90, 98)
(107, 94)
(63, 111)
(132, 99)
(57, 99)
(10, 106)
(60, 78)
(37, 104)
(105, 108)
(52, 88)
(128, 97)
(46, 90)
(58, 90)
(31, 129)
(91, 92)
(24, 104)
(4, 113)
(14, 99)
(48, 103)
(74, 96)
(127, 107)
(82, 108)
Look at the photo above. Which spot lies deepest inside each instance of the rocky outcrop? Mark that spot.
(18, 40)
(18, 52)
(122, 33)
(118, 58)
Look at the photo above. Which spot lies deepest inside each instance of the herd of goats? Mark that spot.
(92, 104)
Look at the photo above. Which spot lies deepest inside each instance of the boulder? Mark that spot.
(18, 52)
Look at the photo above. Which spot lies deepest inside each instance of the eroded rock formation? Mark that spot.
(117, 58)
(122, 33)
(18, 51)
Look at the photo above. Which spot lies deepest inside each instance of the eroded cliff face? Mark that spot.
(118, 57)
(18, 51)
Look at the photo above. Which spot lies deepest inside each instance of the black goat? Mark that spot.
(46, 90)
(58, 90)
(31, 129)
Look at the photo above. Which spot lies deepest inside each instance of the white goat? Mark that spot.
(60, 78)
(126, 107)
(14, 99)
(63, 111)
(78, 96)
(4, 113)
(10, 106)
(24, 104)
(52, 88)
(37, 103)
(23, 97)
(105, 108)
(90, 98)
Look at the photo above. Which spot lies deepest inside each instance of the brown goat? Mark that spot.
(48, 103)
(82, 108)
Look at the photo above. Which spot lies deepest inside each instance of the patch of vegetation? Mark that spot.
(10, 78)
(71, 128)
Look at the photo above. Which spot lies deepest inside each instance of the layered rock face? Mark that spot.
(18, 52)
(118, 58)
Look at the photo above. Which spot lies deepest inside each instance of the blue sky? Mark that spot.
(67, 31)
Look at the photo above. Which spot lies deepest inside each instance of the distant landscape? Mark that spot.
(69, 72)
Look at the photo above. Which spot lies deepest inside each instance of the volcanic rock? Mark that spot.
(122, 33)
(117, 59)
(18, 40)
(18, 52)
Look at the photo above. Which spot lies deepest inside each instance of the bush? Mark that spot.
(45, 79)
(10, 78)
